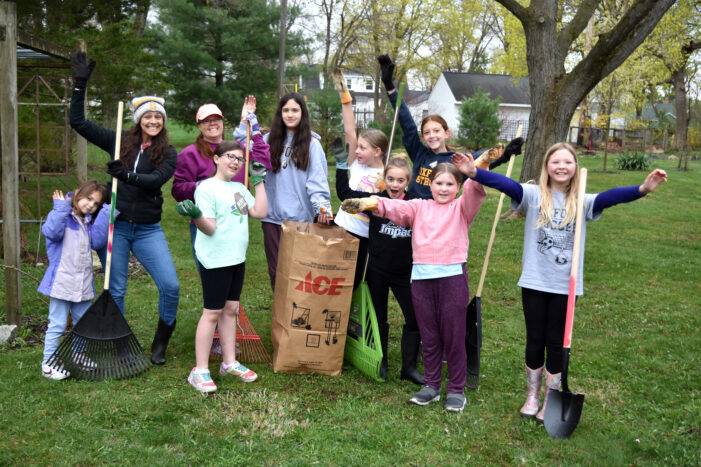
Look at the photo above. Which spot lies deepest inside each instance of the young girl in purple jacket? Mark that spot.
(74, 226)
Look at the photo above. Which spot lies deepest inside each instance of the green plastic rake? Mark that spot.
(363, 349)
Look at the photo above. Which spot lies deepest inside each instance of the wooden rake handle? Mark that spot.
(496, 221)
(113, 196)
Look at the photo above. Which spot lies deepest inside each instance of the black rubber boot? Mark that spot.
(411, 341)
(384, 341)
(160, 342)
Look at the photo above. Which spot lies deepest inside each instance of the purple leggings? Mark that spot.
(441, 308)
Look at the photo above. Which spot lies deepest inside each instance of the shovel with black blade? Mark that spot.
(564, 407)
(473, 335)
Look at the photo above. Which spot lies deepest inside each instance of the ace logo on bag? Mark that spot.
(313, 290)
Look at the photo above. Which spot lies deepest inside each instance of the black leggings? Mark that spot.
(545, 315)
(362, 258)
(379, 285)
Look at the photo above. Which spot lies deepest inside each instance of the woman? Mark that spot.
(146, 162)
(195, 161)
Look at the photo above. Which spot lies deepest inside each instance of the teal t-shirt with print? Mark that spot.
(228, 204)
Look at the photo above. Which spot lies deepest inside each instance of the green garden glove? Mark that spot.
(188, 208)
(257, 172)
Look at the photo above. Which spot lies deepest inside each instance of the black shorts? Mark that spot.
(222, 284)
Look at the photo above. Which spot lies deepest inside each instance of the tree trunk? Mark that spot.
(555, 94)
(680, 107)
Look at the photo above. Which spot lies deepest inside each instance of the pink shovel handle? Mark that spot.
(572, 295)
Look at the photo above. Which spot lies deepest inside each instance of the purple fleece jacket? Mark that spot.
(193, 167)
(69, 240)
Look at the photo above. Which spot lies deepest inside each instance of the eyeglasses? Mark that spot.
(233, 157)
(211, 120)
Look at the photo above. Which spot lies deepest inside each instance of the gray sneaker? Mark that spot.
(455, 402)
(425, 396)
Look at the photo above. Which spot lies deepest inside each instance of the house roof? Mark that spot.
(663, 108)
(464, 85)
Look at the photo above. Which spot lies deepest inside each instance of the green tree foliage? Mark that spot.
(113, 34)
(219, 51)
(325, 112)
(479, 120)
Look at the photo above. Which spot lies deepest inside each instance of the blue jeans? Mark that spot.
(193, 234)
(149, 245)
(58, 315)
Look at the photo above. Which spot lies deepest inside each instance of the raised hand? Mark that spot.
(249, 107)
(465, 163)
(339, 81)
(355, 205)
(257, 172)
(387, 70)
(81, 69)
(653, 180)
(514, 147)
(188, 208)
(58, 194)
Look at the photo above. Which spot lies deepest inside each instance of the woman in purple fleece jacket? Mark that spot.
(195, 162)
(74, 226)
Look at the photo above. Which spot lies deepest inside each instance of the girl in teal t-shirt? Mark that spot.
(221, 216)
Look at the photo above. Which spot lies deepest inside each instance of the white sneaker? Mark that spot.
(57, 374)
(84, 361)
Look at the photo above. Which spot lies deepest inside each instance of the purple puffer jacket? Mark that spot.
(69, 240)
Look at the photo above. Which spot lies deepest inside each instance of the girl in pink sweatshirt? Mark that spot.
(439, 287)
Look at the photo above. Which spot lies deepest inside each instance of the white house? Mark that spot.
(452, 87)
(362, 89)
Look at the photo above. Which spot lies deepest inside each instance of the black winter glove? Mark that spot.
(118, 170)
(514, 147)
(387, 69)
(81, 69)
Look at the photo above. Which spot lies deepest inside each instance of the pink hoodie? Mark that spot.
(439, 230)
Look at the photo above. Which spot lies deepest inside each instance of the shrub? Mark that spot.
(636, 160)
(479, 121)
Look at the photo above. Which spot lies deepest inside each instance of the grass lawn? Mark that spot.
(636, 355)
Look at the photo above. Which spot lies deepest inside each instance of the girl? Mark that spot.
(146, 163)
(297, 185)
(195, 161)
(439, 288)
(547, 251)
(221, 216)
(366, 158)
(435, 133)
(389, 264)
(74, 226)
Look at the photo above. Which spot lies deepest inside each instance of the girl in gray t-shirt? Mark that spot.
(547, 252)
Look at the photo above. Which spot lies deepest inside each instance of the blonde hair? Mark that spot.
(378, 140)
(545, 217)
(398, 161)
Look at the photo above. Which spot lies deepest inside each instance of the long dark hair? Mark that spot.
(301, 139)
(131, 143)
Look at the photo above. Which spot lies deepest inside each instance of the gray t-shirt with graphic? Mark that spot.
(547, 251)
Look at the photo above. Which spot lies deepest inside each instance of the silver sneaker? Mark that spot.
(425, 396)
(455, 402)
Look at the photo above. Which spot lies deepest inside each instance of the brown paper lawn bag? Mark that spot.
(313, 290)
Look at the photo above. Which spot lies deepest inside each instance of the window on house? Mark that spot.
(348, 83)
(368, 85)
